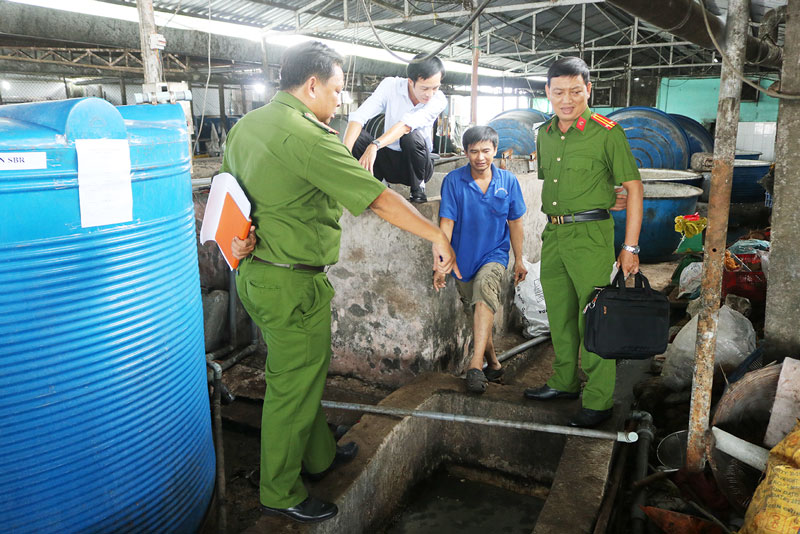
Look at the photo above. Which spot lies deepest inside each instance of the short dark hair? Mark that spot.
(424, 69)
(569, 66)
(476, 134)
(305, 60)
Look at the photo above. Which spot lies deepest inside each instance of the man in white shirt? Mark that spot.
(402, 155)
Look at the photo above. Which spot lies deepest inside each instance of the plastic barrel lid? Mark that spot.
(516, 129)
(657, 140)
(700, 139)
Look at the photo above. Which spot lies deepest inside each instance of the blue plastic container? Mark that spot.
(672, 176)
(516, 129)
(662, 203)
(657, 140)
(747, 154)
(104, 412)
(700, 140)
(746, 174)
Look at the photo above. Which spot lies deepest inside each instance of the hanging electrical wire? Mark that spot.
(737, 72)
(173, 15)
(444, 45)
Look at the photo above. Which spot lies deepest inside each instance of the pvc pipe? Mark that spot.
(521, 347)
(646, 431)
(624, 437)
(742, 450)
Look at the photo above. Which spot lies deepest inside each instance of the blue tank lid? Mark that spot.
(34, 124)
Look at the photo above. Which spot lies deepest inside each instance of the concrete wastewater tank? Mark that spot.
(421, 475)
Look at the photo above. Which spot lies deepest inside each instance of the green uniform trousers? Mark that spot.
(576, 257)
(292, 309)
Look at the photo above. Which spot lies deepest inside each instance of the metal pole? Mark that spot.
(780, 325)
(223, 117)
(216, 415)
(265, 68)
(634, 33)
(624, 437)
(123, 92)
(147, 27)
(533, 33)
(583, 28)
(476, 52)
(718, 207)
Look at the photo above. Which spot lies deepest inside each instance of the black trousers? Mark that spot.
(411, 166)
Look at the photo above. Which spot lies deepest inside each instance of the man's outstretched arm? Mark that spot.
(396, 210)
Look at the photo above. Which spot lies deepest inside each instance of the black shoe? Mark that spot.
(545, 392)
(476, 381)
(493, 375)
(418, 197)
(344, 454)
(311, 510)
(588, 418)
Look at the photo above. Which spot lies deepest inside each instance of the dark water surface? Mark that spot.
(445, 504)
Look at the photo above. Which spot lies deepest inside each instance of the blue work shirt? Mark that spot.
(480, 233)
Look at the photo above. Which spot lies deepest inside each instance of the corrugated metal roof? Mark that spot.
(507, 31)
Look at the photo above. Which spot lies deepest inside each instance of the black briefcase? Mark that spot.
(627, 322)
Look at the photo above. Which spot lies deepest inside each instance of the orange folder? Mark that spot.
(227, 215)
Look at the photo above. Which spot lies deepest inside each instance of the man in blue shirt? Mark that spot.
(481, 212)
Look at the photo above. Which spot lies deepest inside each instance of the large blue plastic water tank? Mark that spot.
(104, 412)
(516, 129)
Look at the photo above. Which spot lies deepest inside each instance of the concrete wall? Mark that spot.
(698, 99)
(389, 324)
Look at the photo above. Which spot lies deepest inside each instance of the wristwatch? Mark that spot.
(376, 142)
(632, 249)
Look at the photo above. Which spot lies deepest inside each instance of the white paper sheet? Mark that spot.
(22, 161)
(104, 181)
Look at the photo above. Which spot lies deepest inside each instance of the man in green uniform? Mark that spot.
(581, 157)
(298, 175)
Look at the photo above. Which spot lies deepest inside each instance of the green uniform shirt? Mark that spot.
(581, 166)
(297, 174)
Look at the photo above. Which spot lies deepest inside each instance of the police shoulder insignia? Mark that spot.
(310, 116)
(605, 122)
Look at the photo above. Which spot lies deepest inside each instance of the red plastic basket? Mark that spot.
(749, 284)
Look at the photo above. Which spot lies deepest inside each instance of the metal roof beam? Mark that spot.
(439, 15)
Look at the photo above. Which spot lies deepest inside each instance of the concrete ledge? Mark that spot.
(397, 453)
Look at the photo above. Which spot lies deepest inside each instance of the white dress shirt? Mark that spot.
(391, 98)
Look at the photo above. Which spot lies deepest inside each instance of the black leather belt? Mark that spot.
(298, 266)
(581, 216)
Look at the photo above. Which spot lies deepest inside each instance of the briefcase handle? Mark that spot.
(640, 281)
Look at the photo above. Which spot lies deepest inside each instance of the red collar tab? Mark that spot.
(548, 127)
(605, 122)
(580, 124)
(310, 116)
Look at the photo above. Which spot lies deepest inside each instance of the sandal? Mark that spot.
(493, 375)
(476, 381)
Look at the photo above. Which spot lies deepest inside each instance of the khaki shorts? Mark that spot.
(484, 287)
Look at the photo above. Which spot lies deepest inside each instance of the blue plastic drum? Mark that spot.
(747, 154)
(516, 129)
(657, 140)
(746, 175)
(672, 176)
(662, 203)
(700, 140)
(104, 412)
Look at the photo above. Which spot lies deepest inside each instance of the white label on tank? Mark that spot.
(104, 181)
(22, 161)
